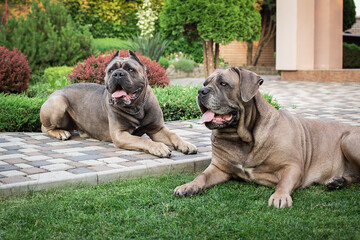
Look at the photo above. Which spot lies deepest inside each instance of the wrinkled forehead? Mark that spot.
(221, 75)
(120, 62)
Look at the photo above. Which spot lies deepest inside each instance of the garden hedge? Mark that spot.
(19, 113)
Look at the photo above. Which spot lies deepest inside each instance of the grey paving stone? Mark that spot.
(8, 167)
(47, 152)
(183, 157)
(85, 157)
(131, 157)
(14, 179)
(80, 170)
(39, 163)
(12, 152)
(12, 147)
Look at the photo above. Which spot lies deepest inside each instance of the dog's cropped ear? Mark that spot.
(117, 54)
(133, 56)
(249, 83)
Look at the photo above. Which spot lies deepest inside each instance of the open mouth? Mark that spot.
(214, 120)
(125, 96)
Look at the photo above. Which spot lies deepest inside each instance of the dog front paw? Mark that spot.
(280, 200)
(160, 150)
(59, 134)
(187, 148)
(187, 190)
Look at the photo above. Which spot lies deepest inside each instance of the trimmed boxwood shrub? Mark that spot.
(19, 113)
(93, 69)
(351, 55)
(14, 71)
(178, 103)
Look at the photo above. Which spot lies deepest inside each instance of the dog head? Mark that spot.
(224, 94)
(125, 79)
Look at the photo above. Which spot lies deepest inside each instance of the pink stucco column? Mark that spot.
(309, 35)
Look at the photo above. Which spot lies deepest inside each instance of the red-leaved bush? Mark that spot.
(14, 71)
(93, 69)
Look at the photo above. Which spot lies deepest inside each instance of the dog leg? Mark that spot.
(123, 139)
(210, 177)
(55, 118)
(289, 180)
(170, 138)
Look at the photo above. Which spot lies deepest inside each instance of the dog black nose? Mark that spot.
(118, 73)
(203, 91)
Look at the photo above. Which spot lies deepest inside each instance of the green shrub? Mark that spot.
(109, 44)
(58, 76)
(152, 47)
(48, 81)
(19, 113)
(187, 46)
(163, 61)
(186, 65)
(47, 36)
(349, 14)
(178, 103)
(182, 62)
(351, 55)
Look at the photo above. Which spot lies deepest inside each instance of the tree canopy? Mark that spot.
(213, 21)
(222, 21)
(349, 14)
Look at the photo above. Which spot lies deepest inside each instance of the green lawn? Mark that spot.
(108, 44)
(145, 208)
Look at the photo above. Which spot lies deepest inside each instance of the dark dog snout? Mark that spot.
(203, 91)
(118, 74)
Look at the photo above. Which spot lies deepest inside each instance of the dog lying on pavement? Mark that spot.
(119, 112)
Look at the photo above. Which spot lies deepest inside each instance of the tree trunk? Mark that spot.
(208, 53)
(268, 32)
(217, 54)
(205, 61)
(268, 29)
(210, 56)
(249, 53)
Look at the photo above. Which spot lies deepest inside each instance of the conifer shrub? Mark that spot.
(47, 36)
(14, 71)
(351, 53)
(93, 69)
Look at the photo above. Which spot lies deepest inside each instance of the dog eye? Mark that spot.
(224, 84)
(131, 70)
(110, 71)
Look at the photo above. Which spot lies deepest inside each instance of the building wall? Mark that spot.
(235, 52)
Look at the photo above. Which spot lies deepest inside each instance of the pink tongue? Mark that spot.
(206, 117)
(119, 94)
